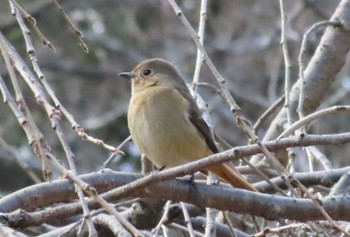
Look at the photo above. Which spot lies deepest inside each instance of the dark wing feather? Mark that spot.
(197, 120)
(203, 128)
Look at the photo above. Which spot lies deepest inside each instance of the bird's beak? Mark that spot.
(128, 75)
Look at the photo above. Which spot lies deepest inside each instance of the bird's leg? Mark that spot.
(161, 168)
(188, 179)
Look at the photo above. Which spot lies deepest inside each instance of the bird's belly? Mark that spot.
(175, 144)
(163, 132)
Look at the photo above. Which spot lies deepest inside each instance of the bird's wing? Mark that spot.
(221, 170)
(197, 120)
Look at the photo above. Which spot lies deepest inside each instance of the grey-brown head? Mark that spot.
(154, 72)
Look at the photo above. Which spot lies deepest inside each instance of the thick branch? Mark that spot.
(223, 198)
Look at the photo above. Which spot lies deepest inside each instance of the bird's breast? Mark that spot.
(159, 124)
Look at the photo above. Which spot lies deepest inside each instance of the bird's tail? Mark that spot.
(230, 176)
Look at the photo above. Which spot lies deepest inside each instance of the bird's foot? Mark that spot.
(189, 179)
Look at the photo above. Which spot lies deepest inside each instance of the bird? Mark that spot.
(166, 123)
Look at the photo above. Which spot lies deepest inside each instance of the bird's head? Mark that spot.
(154, 72)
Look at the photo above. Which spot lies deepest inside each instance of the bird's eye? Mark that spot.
(147, 72)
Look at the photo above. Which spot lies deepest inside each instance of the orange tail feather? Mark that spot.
(229, 175)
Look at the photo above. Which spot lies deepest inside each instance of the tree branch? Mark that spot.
(319, 74)
(222, 198)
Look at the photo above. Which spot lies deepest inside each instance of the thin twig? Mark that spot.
(287, 63)
(163, 219)
(187, 219)
(210, 223)
(226, 93)
(311, 117)
(182, 228)
(280, 230)
(229, 224)
(110, 159)
(79, 191)
(261, 174)
(75, 30)
(32, 21)
(21, 164)
(36, 134)
(200, 58)
(211, 86)
(320, 157)
(268, 112)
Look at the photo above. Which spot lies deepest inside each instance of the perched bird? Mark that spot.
(165, 121)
